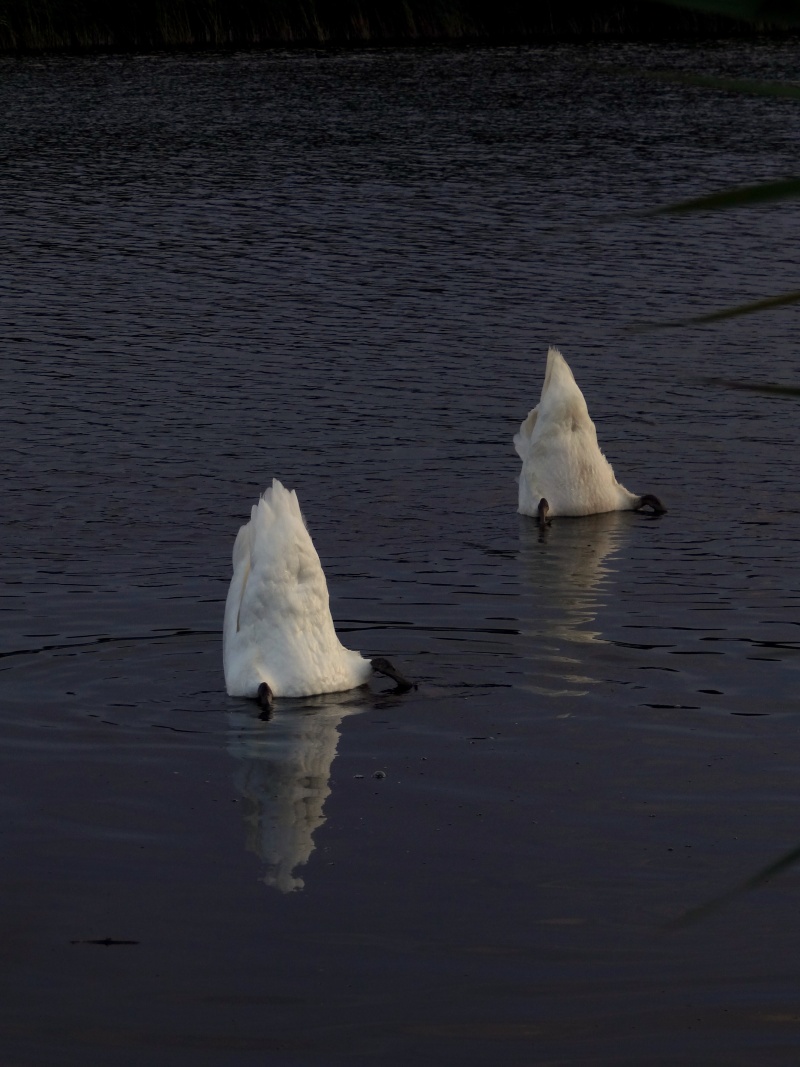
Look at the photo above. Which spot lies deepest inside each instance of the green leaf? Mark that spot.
(766, 874)
(726, 313)
(761, 193)
(766, 388)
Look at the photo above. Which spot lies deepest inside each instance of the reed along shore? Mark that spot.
(131, 25)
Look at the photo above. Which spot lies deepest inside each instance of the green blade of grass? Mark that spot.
(744, 195)
(765, 388)
(726, 313)
(766, 874)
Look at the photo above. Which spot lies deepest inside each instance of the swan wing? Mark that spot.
(241, 571)
(522, 439)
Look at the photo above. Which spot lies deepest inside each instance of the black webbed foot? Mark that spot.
(542, 511)
(650, 501)
(383, 666)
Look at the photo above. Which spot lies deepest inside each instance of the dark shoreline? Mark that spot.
(175, 25)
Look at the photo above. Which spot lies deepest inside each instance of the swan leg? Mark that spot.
(650, 501)
(383, 666)
(542, 511)
(264, 696)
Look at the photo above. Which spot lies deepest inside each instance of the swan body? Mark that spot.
(278, 627)
(563, 470)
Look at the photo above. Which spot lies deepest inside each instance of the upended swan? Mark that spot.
(278, 636)
(563, 470)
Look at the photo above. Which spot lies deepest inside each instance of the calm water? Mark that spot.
(344, 271)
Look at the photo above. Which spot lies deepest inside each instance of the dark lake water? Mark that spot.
(343, 270)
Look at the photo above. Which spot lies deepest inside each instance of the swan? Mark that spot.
(563, 470)
(278, 635)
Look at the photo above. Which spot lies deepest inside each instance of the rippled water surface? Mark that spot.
(344, 270)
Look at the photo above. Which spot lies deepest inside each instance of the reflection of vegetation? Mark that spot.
(774, 12)
(130, 24)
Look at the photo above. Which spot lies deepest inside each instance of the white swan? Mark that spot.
(278, 637)
(563, 470)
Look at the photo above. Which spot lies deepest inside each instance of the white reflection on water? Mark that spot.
(565, 571)
(283, 774)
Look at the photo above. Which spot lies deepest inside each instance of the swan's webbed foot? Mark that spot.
(383, 666)
(542, 511)
(650, 501)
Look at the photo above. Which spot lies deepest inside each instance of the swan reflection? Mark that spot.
(283, 777)
(566, 569)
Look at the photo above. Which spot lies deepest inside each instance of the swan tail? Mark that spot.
(259, 552)
(558, 377)
(562, 400)
(280, 537)
(286, 576)
(278, 500)
(559, 386)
